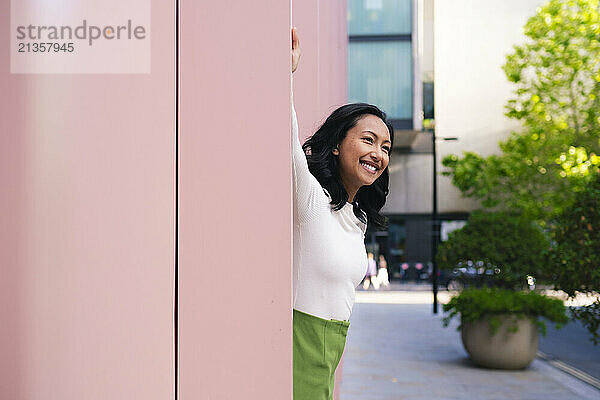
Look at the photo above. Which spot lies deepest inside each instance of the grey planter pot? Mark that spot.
(503, 350)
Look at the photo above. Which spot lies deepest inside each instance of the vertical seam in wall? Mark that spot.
(291, 231)
(176, 231)
(318, 56)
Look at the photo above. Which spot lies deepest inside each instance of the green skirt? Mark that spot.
(318, 347)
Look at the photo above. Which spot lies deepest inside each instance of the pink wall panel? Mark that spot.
(12, 216)
(87, 181)
(320, 83)
(235, 201)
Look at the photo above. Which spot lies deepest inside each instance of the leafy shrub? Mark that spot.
(474, 304)
(513, 245)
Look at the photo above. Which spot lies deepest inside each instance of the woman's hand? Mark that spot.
(295, 50)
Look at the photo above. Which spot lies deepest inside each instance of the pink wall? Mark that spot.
(86, 249)
(321, 80)
(235, 210)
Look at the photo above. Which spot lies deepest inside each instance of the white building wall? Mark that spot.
(471, 41)
(410, 184)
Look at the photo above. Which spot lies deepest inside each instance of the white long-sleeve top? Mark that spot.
(329, 252)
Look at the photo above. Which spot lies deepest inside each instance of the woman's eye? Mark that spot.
(387, 149)
(368, 139)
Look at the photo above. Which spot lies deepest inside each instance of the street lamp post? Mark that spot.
(434, 220)
(434, 236)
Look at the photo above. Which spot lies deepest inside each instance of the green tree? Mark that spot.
(556, 74)
(575, 253)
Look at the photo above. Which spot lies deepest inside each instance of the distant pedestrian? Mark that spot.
(371, 276)
(382, 273)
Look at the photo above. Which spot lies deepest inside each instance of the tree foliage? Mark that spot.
(556, 77)
(575, 254)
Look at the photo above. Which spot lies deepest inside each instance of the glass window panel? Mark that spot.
(380, 73)
(396, 248)
(379, 17)
(428, 102)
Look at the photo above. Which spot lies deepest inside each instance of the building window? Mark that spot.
(380, 67)
(378, 17)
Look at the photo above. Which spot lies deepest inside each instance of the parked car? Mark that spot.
(413, 271)
(459, 278)
(473, 274)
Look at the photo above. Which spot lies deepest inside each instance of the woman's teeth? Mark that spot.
(369, 167)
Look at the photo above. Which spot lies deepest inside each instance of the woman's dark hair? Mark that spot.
(324, 165)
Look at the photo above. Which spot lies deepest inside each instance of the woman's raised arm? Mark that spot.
(306, 186)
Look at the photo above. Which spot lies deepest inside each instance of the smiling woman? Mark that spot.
(349, 155)
(363, 146)
(340, 179)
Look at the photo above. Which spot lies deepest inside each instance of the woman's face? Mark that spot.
(364, 153)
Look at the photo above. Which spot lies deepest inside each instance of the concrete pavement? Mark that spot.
(397, 349)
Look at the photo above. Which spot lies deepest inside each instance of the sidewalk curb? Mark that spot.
(574, 372)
